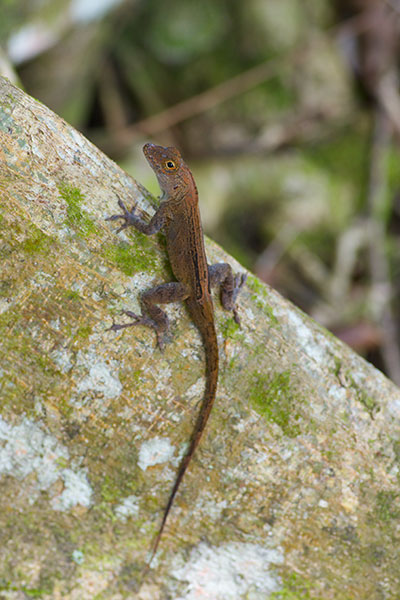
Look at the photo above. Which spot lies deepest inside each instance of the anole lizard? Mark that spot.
(178, 217)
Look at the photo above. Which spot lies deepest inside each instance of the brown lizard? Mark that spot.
(178, 217)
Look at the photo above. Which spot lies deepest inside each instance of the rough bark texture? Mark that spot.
(294, 492)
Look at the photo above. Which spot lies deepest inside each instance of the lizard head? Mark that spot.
(168, 166)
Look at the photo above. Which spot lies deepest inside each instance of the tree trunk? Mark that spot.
(294, 491)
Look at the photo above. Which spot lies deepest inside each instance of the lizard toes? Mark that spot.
(236, 316)
(161, 341)
(240, 280)
(114, 327)
(114, 217)
(136, 319)
(122, 205)
(127, 213)
(123, 226)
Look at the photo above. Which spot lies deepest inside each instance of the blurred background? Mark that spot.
(287, 112)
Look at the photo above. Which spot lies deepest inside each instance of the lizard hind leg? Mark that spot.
(152, 315)
(230, 285)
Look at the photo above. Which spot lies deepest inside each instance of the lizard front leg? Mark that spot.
(152, 315)
(130, 218)
(230, 285)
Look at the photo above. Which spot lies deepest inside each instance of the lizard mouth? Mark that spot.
(147, 148)
(152, 149)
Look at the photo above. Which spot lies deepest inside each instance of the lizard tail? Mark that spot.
(208, 334)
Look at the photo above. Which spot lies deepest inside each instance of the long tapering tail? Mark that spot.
(207, 330)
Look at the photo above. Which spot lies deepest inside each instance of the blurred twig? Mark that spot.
(7, 69)
(110, 99)
(377, 67)
(269, 258)
(224, 91)
(394, 5)
(204, 101)
(348, 247)
(381, 288)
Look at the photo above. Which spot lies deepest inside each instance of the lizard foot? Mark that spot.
(127, 216)
(139, 320)
(239, 281)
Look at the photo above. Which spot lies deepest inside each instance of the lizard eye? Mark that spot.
(170, 165)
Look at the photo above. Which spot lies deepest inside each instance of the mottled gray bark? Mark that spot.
(294, 492)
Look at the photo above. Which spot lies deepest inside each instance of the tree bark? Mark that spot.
(294, 491)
